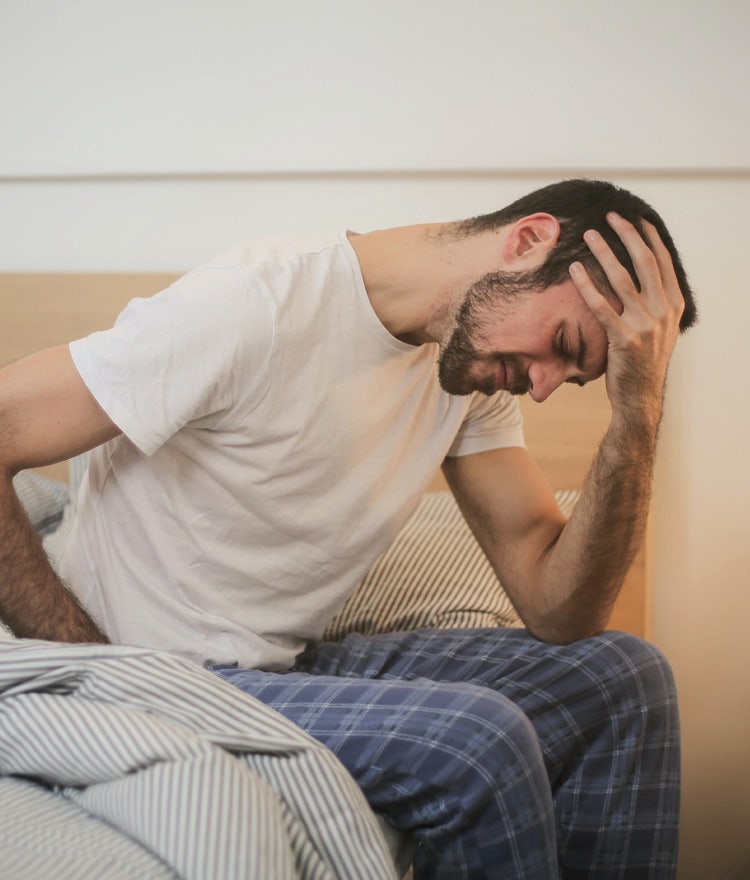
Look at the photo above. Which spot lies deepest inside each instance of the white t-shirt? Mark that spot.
(275, 438)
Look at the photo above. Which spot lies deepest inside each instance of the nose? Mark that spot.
(544, 379)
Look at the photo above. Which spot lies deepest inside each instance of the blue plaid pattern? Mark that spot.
(504, 756)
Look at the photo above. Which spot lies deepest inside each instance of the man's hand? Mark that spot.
(642, 335)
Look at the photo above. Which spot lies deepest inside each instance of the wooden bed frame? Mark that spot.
(42, 310)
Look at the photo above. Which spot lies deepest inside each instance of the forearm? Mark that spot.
(34, 602)
(582, 571)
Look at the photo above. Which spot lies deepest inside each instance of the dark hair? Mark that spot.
(580, 205)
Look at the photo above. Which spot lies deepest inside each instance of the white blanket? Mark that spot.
(125, 762)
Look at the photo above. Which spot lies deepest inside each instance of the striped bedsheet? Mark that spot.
(125, 762)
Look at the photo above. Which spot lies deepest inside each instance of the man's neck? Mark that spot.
(415, 274)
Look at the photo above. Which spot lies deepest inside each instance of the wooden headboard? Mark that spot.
(42, 310)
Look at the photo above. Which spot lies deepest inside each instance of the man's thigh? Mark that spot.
(495, 716)
(582, 692)
(507, 660)
(403, 741)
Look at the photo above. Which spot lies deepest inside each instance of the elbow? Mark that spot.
(565, 637)
(564, 616)
(562, 629)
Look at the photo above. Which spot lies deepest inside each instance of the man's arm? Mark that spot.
(564, 577)
(46, 414)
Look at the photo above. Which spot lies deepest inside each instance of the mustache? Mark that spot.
(517, 380)
(518, 385)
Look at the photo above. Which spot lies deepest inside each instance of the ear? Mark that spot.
(530, 239)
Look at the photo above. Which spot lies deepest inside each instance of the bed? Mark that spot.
(92, 740)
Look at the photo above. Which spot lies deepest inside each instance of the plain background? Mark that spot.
(148, 135)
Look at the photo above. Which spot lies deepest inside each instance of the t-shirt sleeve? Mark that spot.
(491, 423)
(188, 353)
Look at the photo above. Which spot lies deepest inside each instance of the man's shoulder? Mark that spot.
(277, 251)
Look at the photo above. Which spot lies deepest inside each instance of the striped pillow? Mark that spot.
(43, 499)
(434, 574)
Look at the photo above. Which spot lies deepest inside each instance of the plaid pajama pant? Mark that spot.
(504, 756)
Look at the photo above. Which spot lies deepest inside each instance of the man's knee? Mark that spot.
(484, 735)
(633, 665)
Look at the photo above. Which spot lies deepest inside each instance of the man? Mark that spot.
(269, 423)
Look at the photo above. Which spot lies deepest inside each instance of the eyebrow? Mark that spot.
(582, 350)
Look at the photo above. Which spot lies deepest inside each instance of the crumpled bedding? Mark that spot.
(126, 762)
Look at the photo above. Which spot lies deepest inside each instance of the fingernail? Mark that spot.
(590, 235)
(576, 268)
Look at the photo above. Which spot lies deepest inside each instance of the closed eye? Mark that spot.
(561, 344)
(579, 356)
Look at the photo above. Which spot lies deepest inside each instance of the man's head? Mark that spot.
(518, 329)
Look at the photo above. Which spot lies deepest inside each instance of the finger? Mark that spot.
(617, 275)
(644, 260)
(665, 264)
(592, 296)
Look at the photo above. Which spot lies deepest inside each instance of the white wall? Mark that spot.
(233, 85)
(147, 135)
(702, 530)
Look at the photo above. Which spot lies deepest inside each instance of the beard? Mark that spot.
(460, 364)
